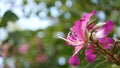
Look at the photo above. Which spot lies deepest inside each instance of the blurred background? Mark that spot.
(29, 31)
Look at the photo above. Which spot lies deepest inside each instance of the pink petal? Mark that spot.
(74, 60)
(90, 27)
(105, 42)
(80, 25)
(105, 30)
(89, 53)
(73, 40)
(77, 49)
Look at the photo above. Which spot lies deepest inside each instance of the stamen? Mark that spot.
(72, 42)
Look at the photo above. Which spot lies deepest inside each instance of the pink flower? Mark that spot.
(23, 48)
(42, 58)
(101, 36)
(77, 37)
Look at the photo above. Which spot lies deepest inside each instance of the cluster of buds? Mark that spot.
(93, 38)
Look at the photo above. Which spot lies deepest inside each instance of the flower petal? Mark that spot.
(105, 42)
(80, 25)
(77, 49)
(89, 53)
(90, 27)
(105, 29)
(74, 60)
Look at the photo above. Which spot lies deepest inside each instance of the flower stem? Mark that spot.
(111, 57)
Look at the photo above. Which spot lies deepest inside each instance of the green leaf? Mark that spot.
(8, 16)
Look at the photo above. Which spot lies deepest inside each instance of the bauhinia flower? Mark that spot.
(77, 37)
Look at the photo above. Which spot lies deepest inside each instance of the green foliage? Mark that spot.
(8, 16)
